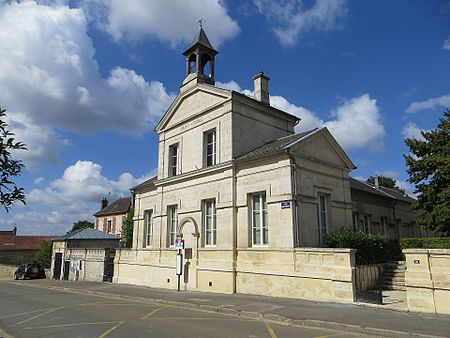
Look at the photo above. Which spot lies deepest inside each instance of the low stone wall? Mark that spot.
(368, 277)
(7, 271)
(17, 257)
(427, 280)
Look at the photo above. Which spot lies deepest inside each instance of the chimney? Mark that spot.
(14, 231)
(377, 182)
(261, 87)
(104, 203)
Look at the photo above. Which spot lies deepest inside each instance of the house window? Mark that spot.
(109, 226)
(172, 220)
(210, 147)
(174, 159)
(259, 219)
(355, 221)
(384, 230)
(367, 224)
(323, 217)
(148, 217)
(209, 221)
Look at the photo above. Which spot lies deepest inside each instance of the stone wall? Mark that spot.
(427, 280)
(17, 257)
(368, 277)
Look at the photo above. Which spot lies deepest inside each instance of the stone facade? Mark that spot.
(427, 280)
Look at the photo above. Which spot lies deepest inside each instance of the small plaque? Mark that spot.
(416, 261)
(285, 205)
(179, 244)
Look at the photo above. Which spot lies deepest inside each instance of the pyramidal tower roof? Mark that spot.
(200, 39)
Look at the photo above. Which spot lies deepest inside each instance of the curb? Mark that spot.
(278, 319)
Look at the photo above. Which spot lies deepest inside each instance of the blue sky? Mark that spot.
(85, 82)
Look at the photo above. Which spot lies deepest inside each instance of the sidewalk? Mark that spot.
(350, 317)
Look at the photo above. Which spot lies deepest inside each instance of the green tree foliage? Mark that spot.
(82, 225)
(44, 253)
(127, 228)
(9, 168)
(384, 181)
(429, 170)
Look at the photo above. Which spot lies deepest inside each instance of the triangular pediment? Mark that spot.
(192, 103)
(322, 146)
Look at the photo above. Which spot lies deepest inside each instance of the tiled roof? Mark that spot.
(274, 146)
(119, 206)
(144, 184)
(87, 233)
(8, 242)
(382, 191)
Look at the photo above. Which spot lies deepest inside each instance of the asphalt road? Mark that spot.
(27, 311)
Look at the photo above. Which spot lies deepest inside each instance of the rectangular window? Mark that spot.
(172, 220)
(384, 230)
(148, 217)
(174, 159)
(259, 219)
(355, 221)
(367, 224)
(323, 217)
(209, 221)
(210, 147)
(109, 226)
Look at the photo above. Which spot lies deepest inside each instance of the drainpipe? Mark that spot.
(397, 230)
(296, 229)
(234, 226)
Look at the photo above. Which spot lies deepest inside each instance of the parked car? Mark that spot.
(29, 271)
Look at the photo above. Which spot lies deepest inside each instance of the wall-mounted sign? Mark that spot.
(416, 261)
(179, 244)
(285, 205)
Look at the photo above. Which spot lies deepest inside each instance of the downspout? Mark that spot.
(397, 230)
(296, 228)
(234, 226)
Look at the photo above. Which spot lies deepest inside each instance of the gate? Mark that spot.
(108, 274)
(57, 266)
(66, 270)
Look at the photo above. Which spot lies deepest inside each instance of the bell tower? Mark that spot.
(200, 58)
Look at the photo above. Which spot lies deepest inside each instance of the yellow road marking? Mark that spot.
(154, 311)
(39, 315)
(25, 313)
(271, 331)
(110, 330)
(332, 335)
(203, 318)
(66, 325)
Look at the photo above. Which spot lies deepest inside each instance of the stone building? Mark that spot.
(87, 254)
(110, 217)
(246, 194)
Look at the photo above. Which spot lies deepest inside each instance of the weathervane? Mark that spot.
(200, 23)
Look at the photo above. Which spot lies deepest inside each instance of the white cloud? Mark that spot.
(407, 187)
(74, 196)
(356, 123)
(291, 18)
(43, 144)
(446, 44)
(39, 180)
(410, 130)
(48, 72)
(435, 102)
(169, 21)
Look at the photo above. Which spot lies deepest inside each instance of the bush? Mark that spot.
(44, 253)
(370, 249)
(425, 243)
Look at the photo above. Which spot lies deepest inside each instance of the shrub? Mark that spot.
(44, 253)
(370, 249)
(425, 243)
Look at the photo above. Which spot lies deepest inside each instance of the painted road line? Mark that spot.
(336, 335)
(39, 315)
(154, 311)
(66, 325)
(271, 331)
(26, 313)
(110, 330)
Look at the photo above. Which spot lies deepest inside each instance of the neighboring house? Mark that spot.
(18, 250)
(110, 218)
(384, 211)
(244, 192)
(86, 254)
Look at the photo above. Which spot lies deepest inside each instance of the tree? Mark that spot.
(384, 181)
(429, 170)
(9, 168)
(127, 228)
(82, 225)
(44, 253)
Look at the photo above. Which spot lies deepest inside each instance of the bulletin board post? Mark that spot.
(179, 244)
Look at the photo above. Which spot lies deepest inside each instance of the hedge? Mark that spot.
(425, 243)
(370, 249)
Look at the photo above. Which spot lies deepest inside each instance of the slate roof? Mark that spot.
(201, 39)
(382, 191)
(119, 206)
(274, 146)
(144, 184)
(12, 242)
(87, 233)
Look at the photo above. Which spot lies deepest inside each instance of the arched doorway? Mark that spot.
(188, 231)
